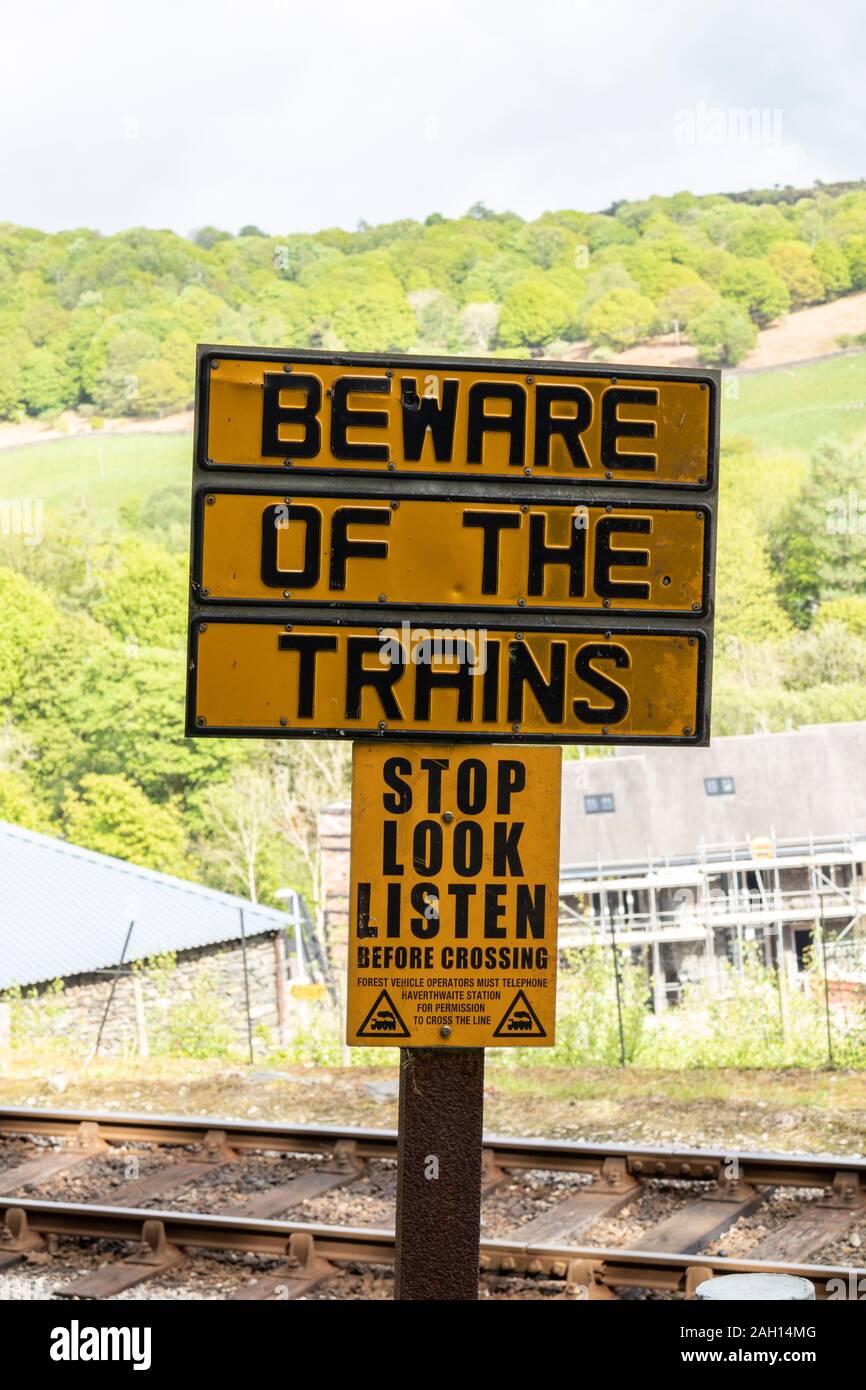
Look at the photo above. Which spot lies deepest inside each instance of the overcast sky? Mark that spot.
(296, 115)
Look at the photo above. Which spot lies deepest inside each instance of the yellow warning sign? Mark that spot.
(454, 895)
(355, 414)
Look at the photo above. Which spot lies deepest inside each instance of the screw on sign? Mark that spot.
(454, 893)
(452, 947)
(479, 562)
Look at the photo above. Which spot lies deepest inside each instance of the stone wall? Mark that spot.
(203, 994)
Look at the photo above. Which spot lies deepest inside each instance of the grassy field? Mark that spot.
(793, 407)
(98, 472)
(787, 409)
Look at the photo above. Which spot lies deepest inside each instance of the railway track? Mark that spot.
(669, 1259)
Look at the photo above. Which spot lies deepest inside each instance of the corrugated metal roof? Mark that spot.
(65, 910)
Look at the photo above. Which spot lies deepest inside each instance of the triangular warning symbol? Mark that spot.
(519, 1020)
(383, 1020)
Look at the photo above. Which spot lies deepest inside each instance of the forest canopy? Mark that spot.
(108, 324)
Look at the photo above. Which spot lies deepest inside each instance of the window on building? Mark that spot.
(719, 786)
(596, 805)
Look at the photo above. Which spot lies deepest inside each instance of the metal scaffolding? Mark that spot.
(791, 900)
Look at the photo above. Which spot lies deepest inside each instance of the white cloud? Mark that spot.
(296, 117)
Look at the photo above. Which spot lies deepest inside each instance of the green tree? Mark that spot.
(46, 382)
(832, 266)
(818, 543)
(794, 263)
(11, 385)
(757, 288)
(533, 313)
(849, 612)
(722, 334)
(747, 602)
(855, 254)
(113, 816)
(683, 305)
(208, 237)
(360, 311)
(144, 601)
(29, 617)
(437, 317)
(621, 317)
(162, 388)
(21, 803)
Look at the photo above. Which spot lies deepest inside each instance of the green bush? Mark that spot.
(722, 334)
(620, 318)
(200, 1026)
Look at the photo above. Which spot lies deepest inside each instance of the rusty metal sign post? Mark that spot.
(459, 561)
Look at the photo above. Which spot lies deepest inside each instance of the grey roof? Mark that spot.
(65, 910)
(788, 785)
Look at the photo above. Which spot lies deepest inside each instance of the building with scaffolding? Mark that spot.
(692, 857)
(687, 858)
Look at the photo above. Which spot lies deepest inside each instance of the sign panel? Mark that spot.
(562, 684)
(454, 894)
(447, 551)
(353, 414)
(561, 563)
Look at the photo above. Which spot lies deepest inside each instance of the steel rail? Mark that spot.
(559, 1155)
(609, 1267)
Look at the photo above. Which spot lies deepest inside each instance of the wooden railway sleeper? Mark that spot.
(304, 1270)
